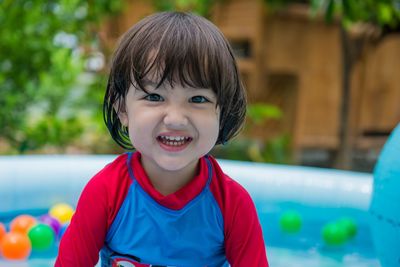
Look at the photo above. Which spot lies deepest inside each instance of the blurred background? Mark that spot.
(322, 75)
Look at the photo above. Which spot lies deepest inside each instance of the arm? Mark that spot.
(244, 245)
(85, 235)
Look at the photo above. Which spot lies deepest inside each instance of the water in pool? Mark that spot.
(305, 247)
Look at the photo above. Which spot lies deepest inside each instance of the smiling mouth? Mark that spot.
(174, 141)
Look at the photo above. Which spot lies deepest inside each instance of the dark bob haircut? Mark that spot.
(179, 48)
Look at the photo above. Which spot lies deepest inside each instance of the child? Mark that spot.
(173, 93)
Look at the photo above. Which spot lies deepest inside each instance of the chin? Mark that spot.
(173, 165)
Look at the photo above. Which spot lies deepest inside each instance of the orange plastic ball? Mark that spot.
(15, 246)
(2, 230)
(22, 224)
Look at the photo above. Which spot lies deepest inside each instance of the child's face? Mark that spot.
(171, 127)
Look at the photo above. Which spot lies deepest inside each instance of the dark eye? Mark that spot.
(154, 98)
(199, 99)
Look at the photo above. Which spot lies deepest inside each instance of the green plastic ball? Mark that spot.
(349, 225)
(290, 222)
(334, 234)
(41, 236)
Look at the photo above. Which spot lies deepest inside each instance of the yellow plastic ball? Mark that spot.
(62, 212)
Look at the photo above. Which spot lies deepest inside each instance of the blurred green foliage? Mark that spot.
(42, 59)
(379, 12)
(259, 112)
(383, 13)
(201, 7)
(272, 150)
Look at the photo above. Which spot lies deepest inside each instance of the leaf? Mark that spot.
(329, 13)
(260, 112)
(385, 14)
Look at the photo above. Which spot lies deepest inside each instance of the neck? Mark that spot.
(168, 182)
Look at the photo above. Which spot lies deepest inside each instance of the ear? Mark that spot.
(121, 112)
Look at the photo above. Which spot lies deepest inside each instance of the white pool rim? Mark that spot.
(40, 181)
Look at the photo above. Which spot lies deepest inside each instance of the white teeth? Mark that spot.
(174, 140)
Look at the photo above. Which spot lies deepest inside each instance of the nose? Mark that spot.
(176, 117)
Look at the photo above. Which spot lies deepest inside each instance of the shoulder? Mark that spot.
(114, 168)
(113, 174)
(228, 192)
(109, 183)
(107, 189)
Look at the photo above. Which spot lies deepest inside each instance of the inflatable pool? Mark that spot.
(385, 203)
(299, 207)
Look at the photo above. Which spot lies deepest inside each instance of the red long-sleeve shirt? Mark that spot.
(209, 222)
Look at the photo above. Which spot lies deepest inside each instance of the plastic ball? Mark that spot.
(41, 236)
(62, 212)
(52, 222)
(290, 222)
(2, 230)
(22, 224)
(333, 234)
(349, 226)
(15, 246)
